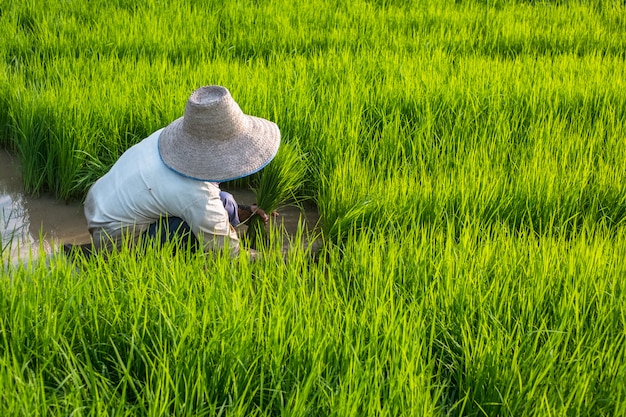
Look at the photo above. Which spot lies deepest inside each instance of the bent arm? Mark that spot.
(209, 222)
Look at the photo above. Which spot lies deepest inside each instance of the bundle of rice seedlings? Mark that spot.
(277, 185)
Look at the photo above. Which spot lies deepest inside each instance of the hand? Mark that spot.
(245, 212)
(261, 213)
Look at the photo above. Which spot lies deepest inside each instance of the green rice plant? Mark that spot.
(450, 321)
(278, 184)
(281, 180)
(467, 162)
(31, 129)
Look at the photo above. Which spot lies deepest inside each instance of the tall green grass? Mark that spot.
(465, 322)
(467, 162)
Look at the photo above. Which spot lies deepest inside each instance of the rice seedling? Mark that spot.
(279, 183)
(283, 178)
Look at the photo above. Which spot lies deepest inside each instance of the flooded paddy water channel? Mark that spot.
(30, 225)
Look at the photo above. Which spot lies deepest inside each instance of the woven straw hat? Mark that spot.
(215, 141)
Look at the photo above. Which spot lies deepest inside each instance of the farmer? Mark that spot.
(168, 184)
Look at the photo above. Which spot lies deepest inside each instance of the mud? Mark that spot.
(30, 224)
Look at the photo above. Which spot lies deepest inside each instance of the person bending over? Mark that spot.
(168, 184)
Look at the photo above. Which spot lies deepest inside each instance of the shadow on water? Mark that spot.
(31, 224)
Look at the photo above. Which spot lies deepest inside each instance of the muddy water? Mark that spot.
(29, 224)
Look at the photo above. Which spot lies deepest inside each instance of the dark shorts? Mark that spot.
(173, 229)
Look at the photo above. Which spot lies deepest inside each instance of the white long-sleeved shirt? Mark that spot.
(140, 188)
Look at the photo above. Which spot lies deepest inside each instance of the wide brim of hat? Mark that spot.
(218, 160)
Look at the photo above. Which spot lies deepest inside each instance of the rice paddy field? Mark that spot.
(467, 159)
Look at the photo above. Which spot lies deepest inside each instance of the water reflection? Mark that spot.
(17, 243)
(29, 225)
(15, 238)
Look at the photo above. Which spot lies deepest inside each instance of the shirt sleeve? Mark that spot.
(209, 221)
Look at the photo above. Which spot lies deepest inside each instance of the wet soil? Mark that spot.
(27, 222)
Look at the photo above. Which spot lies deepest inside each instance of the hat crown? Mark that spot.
(212, 113)
(215, 141)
